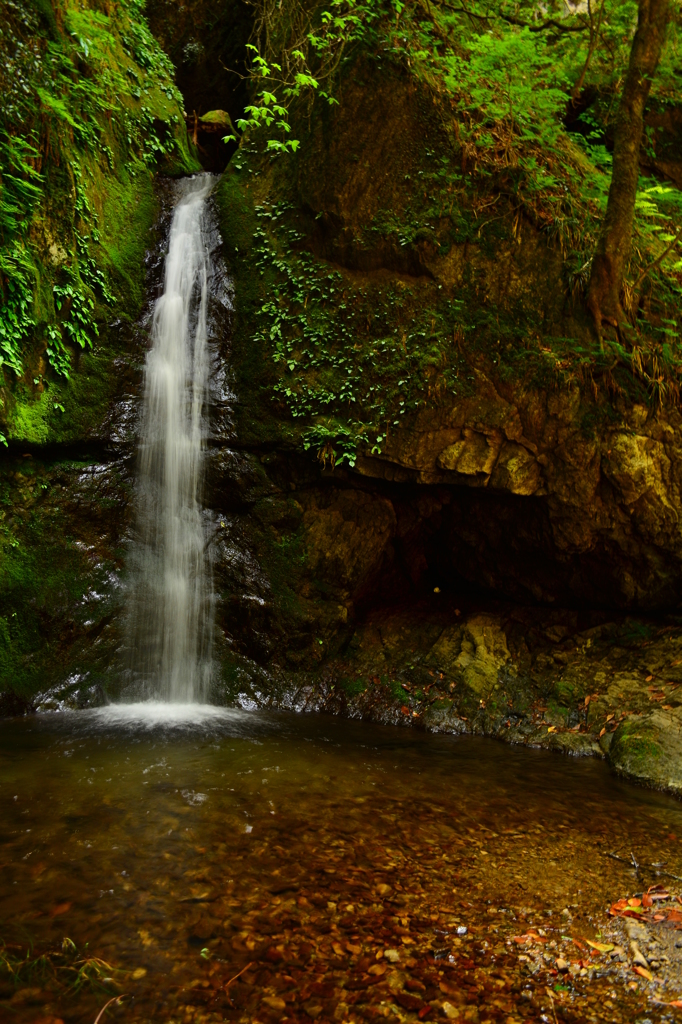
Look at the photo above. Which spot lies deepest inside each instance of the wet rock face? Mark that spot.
(499, 492)
(66, 521)
(602, 509)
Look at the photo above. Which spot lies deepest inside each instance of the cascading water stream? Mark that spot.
(171, 607)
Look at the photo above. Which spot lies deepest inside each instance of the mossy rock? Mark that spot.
(648, 748)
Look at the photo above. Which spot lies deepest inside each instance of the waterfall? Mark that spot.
(170, 612)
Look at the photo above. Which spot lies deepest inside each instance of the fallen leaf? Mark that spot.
(609, 717)
(528, 937)
(551, 728)
(378, 969)
(648, 679)
(659, 917)
(405, 710)
(338, 948)
(601, 947)
(677, 1003)
(634, 901)
(274, 1002)
(667, 707)
(61, 908)
(647, 901)
(674, 916)
(356, 950)
(138, 973)
(642, 971)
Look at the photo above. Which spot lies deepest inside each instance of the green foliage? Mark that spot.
(333, 442)
(64, 968)
(511, 81)
(351, 360)
(298, 51)
(16, 322)
(507, 78)
(86, 98)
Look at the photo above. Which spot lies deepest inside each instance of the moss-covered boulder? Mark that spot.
(649, 749)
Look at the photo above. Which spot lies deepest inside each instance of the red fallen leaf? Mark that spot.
(274, 955)
(405, 710)
(647, 900)
(618, 906)
(634, 901)
(643, 973)
(674, 916)
(63, 908)
(425, 1010)
(659, 917)
(677, 1003)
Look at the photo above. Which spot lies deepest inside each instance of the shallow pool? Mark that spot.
(227, 865)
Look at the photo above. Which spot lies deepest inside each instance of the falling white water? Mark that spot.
(171, 608)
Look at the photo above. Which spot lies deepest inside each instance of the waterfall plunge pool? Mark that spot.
(231, 865)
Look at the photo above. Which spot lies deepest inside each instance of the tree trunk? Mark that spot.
(613, 247)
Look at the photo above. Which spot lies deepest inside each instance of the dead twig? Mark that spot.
(114, 999)
(668, 874)
(227, 983)
(551, 999)
(657, 261)
(614, 856)
(633, 864)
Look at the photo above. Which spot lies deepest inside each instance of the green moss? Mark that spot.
(353, 686)
(99, 114)
(633, 747)
(128, 211)
(29, 420)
